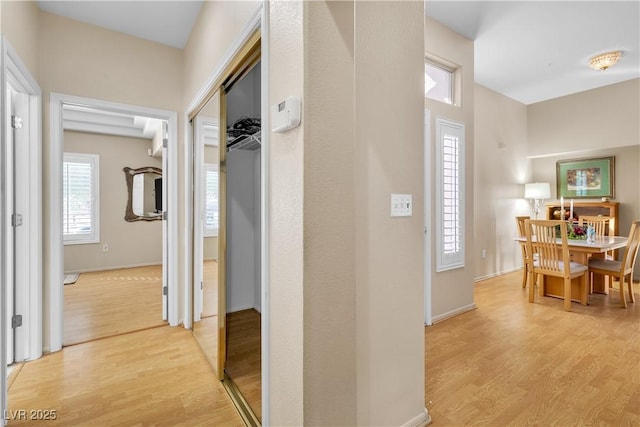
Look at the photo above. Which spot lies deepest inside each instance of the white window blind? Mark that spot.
(450, 192)
(211, 210)
(80, 198)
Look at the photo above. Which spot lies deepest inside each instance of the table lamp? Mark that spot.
(536, 192)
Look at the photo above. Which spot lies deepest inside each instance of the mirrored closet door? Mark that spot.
(227, 294)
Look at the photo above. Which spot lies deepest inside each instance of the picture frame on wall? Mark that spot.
(586, 178)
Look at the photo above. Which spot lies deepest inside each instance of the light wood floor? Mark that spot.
(106, 303)
(508, 363)
(155, 377)
(513, 363)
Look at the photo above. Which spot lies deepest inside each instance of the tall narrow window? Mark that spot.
(80, 198)
(211, 200)
(450, 193)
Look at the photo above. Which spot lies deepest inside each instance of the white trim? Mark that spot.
(452, 260)
(15, 72)
(56, 274)
(496, 274)
(453, 313)
(428, 233)
(115, 267)
(422, 419)
(264, 226)
(3, 233)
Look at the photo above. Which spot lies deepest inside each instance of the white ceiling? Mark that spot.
(165, 22)
(537, 50)
(527, 50)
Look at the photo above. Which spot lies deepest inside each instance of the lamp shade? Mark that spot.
(537, 190)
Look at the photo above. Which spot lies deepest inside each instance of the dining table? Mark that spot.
(580, 252)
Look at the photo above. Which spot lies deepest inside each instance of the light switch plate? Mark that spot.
(401, 205)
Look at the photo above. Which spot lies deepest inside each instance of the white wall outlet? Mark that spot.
(401, 205)
(105, 247)
(483, 254)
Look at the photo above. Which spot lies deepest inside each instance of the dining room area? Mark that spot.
(572, 255)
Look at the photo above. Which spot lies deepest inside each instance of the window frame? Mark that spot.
(210, 232)
(94, 236)
(452, 78)
(444, 260)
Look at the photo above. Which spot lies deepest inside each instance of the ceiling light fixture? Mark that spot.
(605, 60)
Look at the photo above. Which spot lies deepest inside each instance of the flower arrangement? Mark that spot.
(574, 231)
(577, 232)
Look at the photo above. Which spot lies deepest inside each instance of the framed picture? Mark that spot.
(585, 178)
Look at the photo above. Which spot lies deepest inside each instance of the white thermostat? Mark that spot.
(285, 115)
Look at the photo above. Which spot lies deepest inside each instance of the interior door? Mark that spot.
(22, 218)
(9, 209)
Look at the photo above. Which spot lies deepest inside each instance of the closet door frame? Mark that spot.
(246, 56)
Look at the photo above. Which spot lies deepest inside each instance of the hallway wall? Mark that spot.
(131, 244)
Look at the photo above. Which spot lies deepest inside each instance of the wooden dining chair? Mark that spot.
(523, 247)
(553, 260)
(602, 225)
(621, 269)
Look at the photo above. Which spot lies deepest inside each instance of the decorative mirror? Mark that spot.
(144, 186)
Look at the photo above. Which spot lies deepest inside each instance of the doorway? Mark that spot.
(112, 223)
(170, 215)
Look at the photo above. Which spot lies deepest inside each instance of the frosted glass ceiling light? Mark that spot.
(605, 60)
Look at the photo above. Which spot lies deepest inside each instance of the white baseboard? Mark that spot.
(116, 267)
(452, 313)
(499, 273)
(420, 420)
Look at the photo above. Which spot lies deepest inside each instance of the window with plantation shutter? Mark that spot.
(211, 200)
(80, 198)
(450, 194)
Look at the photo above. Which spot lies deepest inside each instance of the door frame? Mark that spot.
(427, 218)
(54, 284)
(15, 72)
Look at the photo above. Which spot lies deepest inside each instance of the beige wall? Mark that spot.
(130, 243)
(20, 20)
(389, 82)
(329, 215)
(501, 167)
(589, 120)
(452, 291)
(346, 279)
(218, 26)
(286, 210)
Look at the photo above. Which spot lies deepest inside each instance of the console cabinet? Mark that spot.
(585, 208)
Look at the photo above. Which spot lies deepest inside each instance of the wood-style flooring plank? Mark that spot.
(515, 363)
(153, 377)
(107, 303)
